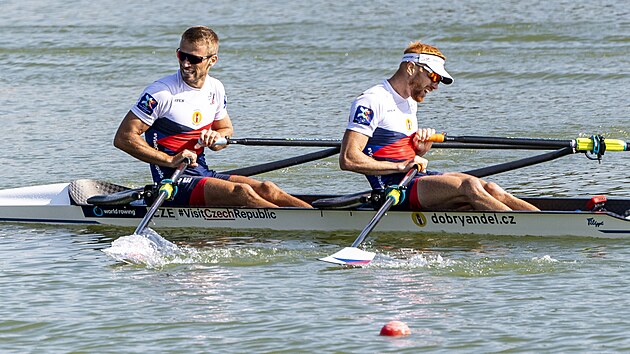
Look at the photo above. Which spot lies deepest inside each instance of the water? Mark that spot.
(69, 71)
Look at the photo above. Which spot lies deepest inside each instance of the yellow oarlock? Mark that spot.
(168, 188)
(395, 193)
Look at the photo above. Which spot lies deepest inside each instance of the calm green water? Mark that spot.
(70, 70)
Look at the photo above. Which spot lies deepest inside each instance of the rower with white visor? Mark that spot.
(382, 141)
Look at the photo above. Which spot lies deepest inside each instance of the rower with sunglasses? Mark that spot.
(383, 142)
(181, 114)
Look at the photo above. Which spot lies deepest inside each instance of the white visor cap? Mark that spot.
(432, 61)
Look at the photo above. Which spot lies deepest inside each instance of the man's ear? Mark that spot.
(214, 59)
(411, 68)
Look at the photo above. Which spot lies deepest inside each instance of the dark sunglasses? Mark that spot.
(432, 76)
(193, 59)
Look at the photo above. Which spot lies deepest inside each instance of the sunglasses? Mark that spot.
(193, 59)
(432, 75)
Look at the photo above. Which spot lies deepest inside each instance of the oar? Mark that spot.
(166, 191)
(281, 142)
(298, 142)
(353, 255)
(594, 144)
(513, 165)
(276, 165)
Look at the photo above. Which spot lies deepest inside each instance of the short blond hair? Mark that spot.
(202, 35)
(421, 48)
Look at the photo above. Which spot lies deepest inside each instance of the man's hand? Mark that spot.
(181, 156)
(420, 161)
(420, 141)
(208, 138)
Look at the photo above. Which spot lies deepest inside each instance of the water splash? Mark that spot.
(465, 265)
(148, 248)
(545, 259)
(411, 261)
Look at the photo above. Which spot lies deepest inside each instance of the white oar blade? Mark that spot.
(350, 256)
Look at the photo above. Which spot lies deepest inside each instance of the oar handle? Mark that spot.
(219, 142)
(437, 138)
(222, 141)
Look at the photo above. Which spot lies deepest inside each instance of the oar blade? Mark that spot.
(350, 256)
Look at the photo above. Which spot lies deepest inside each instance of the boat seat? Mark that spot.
(94, 192)
(347, 201)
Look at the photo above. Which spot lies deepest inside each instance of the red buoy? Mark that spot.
(395, 329)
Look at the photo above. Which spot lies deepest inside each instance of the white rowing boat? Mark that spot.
(91, 202)
(103, 203)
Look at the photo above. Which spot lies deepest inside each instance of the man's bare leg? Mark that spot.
(506, 198)
(271, 192)
(451, 190)
(219, 192)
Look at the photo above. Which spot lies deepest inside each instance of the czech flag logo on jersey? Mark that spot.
(147, 103)
(363, 115)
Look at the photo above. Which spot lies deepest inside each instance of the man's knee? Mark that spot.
(472, 186)
(243, 188)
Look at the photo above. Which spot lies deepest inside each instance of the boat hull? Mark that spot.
(51, 205)
(517, 223)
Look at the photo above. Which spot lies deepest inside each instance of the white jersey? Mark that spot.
(387, 119)
(177, 113)
(171, 98)
(390, 122)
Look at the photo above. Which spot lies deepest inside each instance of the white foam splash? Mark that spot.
(545, 259)
(149, 249)
(414, 261)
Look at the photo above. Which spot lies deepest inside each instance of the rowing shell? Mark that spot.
(57, 204)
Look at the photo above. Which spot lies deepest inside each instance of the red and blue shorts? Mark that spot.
(190, 190)
(411, 201)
